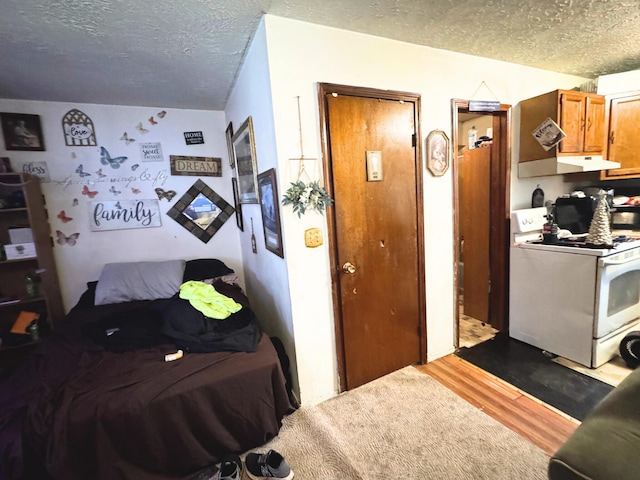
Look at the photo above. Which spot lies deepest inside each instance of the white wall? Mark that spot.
(619, 83)
(301, 55)
(267, 283)
(83, 262)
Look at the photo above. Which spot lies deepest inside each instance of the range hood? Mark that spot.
(564, 164)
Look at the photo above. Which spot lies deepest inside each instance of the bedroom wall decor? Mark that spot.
(78, 129)
(124, 214)
(201, 211)
(193, 138)
(437, 153)
(22, 131)
(39, 169)
(229, 135)
(237, 205)
(244, 154)
(270, 212)
(151, 152)
(196, 166)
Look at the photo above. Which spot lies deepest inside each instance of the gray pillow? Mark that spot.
(126, 282)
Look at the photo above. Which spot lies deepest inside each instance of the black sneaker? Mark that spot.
(267, 465)
(231, 468)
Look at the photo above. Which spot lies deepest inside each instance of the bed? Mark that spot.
(82, 406)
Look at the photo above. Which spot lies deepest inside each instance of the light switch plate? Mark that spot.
(313, 237)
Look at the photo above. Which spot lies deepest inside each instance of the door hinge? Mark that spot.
(413, 140)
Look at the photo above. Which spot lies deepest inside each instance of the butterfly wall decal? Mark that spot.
(134, 167)
(162, 114)
(107, 159)
(125, 137)
(64, 240)
(100, 174)
(135, 190)
(80, 171)
(88, 193)
(168, 194)
(118, 206)
(114, 191)
(75, 202)
(141, 128)
(63, 216)
(152, 121)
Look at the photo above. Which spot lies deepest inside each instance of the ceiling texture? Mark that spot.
(186, 53)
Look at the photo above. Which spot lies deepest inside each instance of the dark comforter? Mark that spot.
(77, 411)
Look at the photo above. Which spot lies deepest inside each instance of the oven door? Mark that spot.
(617, 291)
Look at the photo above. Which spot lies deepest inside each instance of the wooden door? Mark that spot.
(572, 108)
(475, 219)
(594, 130)
(377, 235)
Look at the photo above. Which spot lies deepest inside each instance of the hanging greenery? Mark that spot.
(306, 196)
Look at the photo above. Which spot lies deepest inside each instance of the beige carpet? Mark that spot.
(405, 425)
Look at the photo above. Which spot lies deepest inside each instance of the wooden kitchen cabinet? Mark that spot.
(23, 206)
(580, 115)
(623, 111)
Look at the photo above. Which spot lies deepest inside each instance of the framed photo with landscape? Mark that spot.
(437, 153)
(244, 154)
(270, 212)
(22, 131)
(237, 205)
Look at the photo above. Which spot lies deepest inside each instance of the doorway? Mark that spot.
(373, 172)
(481, 222)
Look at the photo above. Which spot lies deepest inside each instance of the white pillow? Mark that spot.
(126, 282)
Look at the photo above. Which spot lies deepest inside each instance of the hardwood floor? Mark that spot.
(539, 423)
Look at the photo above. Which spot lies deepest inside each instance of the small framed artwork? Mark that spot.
(270, 212)
(201, 211)
(437, 153)
(22, 131)
(244, 154)
(236, 201)
(229, 134)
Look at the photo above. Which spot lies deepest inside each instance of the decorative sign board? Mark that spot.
(196, 166)
(39, 169)
(78, 129)
(151, 152)
(484, 106)
(124, 214)
(193, 138)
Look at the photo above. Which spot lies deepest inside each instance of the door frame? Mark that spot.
(330, 88)
(500, 208)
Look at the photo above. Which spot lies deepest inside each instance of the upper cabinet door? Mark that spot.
(624, 119)
(572, 121)
(594, 132)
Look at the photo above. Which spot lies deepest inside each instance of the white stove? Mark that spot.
(571, 300)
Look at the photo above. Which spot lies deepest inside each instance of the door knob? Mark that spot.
(349, 268)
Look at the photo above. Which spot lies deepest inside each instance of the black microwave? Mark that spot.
(575, 213)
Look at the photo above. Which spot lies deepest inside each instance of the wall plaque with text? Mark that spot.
(196, 166)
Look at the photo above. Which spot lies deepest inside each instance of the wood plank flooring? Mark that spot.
(541, 424)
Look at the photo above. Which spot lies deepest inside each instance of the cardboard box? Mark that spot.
(15, 251)
(21, 235)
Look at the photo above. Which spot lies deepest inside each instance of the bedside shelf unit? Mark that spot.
(24, 189)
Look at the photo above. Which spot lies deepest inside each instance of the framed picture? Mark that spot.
(229, 135)
(236, 201)
(22, 131)
(438, 153)
(244, 154)
(270, 212)
(201, 211)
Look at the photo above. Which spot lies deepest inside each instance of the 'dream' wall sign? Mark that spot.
(196, 166)
(124, 214)
(78, 129)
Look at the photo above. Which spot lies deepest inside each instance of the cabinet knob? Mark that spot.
(611, 137)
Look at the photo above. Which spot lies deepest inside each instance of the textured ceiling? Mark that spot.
(186, 53)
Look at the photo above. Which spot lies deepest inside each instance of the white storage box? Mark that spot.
(20, 235)
(15, 251)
